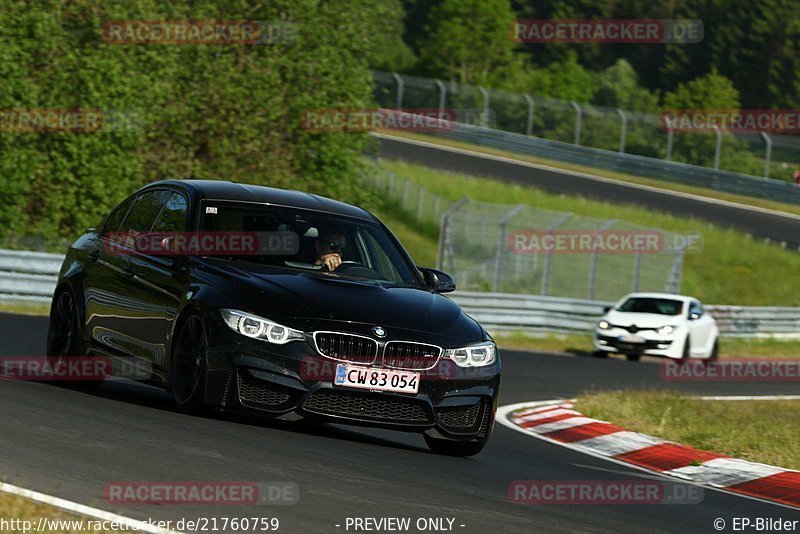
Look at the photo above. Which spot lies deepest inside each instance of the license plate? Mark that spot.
(631, 339)
(353, 376)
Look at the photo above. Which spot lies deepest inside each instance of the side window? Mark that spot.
(114, 220)
(140, 217)
(173, 216)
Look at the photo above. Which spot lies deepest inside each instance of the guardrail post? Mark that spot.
(768, 153)
(444, 232)
(501, 245)
(578, 117)
(595, 260)
(485, 112)
(400, 86)
(529, 127)
(670, 134)
(623, 130)
(718, 148)
(442, 97)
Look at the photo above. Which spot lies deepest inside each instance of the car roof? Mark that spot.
(671, 296)
(232, 191)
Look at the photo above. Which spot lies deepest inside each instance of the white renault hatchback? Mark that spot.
(657, 324)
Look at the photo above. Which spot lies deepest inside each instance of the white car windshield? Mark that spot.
(652, 305)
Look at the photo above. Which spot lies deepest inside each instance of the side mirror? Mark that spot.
(607, 309)
(694, 316)
(437, 280)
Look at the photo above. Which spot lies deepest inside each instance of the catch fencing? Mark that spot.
(607, 138)
(31, 277)
(476, 246)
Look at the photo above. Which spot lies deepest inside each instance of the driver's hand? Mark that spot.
(331, 261)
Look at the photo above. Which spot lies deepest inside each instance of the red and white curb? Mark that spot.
(557, 422)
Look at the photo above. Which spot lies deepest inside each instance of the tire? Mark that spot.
(449, 447)
(687, 351)
(633, 357)
(714, 356)
(64, 337)
(188, 365)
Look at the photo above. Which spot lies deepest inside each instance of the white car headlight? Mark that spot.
(259, 328)
(478, 355)
(666, 330)
(603, 325)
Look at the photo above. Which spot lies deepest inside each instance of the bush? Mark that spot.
(203, 111)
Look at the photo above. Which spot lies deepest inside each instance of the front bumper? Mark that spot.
(652, 344)
(293, 381)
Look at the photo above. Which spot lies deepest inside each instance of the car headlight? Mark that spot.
(473, 356)
(603, 325)
(666, 330)
(259, 328)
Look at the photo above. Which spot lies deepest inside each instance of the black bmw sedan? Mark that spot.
(287, 304)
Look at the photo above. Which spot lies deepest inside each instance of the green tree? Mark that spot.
(467, 40)
(203, 111)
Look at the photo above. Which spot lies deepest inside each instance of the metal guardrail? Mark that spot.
(31, 277)
(500, 311)
(671, 171)
(28, 276)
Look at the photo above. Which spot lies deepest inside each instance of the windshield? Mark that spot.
(335, 245)
(652, 305)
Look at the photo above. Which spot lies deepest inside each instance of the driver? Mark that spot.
(329, 246)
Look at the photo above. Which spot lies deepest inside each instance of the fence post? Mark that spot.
(674, 280)
(768, 155)
(420, 201)
(400, 86)
(637, 271)
(442, 97)
(403, 200)
(595, 260)
(718, 148)
(436, 207)
(578, 117)
(529, 100)
(548, 258)
(485, 112)
(501, 244)
(444, 232)
(623, 130)
(669, 143)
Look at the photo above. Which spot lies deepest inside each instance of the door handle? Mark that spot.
(94, 254)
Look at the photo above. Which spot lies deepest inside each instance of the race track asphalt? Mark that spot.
(71, 444)
(758, 223)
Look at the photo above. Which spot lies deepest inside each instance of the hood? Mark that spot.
(642, 320)
(308, 300)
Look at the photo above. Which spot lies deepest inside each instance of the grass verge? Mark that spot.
(25, 308)
(731, 268)
(18, 508)
(759, 431)
(662, 184)
(581, 344)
